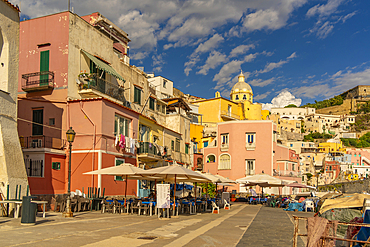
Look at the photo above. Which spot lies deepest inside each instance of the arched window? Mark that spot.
(224, 162)
(244, 96)
(211, 158)
(237, 97)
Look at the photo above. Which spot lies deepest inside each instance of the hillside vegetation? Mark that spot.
(362, 142)
(337, 100)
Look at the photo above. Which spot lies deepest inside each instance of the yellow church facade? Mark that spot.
(239, 107)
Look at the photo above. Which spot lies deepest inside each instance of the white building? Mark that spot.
(163, 86)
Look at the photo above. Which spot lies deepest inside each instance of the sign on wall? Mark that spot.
(163, 196)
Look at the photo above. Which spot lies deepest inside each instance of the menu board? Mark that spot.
(163, 196)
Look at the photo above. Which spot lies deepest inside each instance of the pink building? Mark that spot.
(360, 161)
(54, 50)
(246, 148)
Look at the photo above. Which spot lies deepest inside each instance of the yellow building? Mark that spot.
(331, 146)
(196, 135)
(240, 107)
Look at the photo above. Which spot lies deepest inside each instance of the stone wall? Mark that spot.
(348, 187)
(345, 108)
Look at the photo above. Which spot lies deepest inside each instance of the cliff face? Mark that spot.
(348, 106)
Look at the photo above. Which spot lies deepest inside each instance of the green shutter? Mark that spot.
(172, 145)
(55, 165)
(126, 127)
(44, 66)
(186, 148)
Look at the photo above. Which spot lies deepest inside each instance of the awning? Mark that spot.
(101, 65)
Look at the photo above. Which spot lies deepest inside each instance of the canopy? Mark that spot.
(298, 185)
(180, 173)
(226, 180)
(263, 180)
(213, 178)
(344, 201)
(101, 65)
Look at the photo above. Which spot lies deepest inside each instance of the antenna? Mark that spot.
(69, 5)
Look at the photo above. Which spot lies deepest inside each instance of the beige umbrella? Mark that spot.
(177, 173)
(263, 180)
(126, 170)
(226, 180)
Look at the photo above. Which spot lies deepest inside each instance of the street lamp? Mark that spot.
(70, 138)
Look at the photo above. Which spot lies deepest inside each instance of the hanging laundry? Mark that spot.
(132, 147)
(116, 142)
(161, 149)
(150, 145)
(122, 141)
(128, 141)
(137, 144)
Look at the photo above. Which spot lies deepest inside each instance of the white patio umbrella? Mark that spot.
(126, 170)
(262, 180)
(177, 173)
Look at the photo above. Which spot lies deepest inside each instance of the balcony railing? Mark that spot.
(148, 148)
(41, 142)
(229, 115)
(93, 81)
(38, 81)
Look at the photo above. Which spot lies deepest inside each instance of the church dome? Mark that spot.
(241, 91)
(241, 85)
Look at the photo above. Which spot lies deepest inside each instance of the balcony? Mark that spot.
(38, 81)
(229, 115)
(148, 152)
(42, 142)
(224, 147)
(91, 85)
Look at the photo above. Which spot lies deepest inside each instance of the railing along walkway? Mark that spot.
(324, 239)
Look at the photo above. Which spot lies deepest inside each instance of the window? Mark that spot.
(229, 109)
(177, 147)
(250, 141)
(44, 66)
(237, 97)
(51, 121)
(55, 165)
(224, 141)
(144, 132)
(172, 145)
(293, 167)
(151, 103)
(205, 144)
(117, 163)
(121, 125)
(137, 95)
(291, 145)
(211, 158)
(37, 119)
(159, 108)
(224, 162)
(186, 148)
(249, 167)
(34, 165)
(244, 97)
(164, 83)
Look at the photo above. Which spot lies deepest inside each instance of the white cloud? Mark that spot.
(261, 83)
(283, 99)
(324, 9)
(293, 55)
(337, 74)
(262, 96)
(214, 59)
(241, 49)
(208, 45)
(271, 66)
(350, 15)
(158, 62)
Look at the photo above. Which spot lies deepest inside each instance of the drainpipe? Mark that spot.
(93, 157)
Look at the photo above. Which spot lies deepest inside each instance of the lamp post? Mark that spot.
(70, 138)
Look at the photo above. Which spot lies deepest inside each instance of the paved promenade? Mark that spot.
(243, 225)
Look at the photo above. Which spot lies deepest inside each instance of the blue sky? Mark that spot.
(313, 49)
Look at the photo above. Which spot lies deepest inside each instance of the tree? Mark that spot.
(290, 106)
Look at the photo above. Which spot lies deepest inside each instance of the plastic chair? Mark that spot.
(311, 205)
(226, 204)
(215, 207)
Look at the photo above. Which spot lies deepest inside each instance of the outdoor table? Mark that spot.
(151, 204)
(43, 206)
(17, 205)
(191, 205)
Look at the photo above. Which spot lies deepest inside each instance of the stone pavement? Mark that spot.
(271, 227)
(243, 225)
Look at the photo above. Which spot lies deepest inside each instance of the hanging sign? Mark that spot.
(163, 196)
